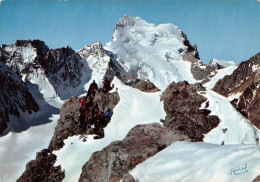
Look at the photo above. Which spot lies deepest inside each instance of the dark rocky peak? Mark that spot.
(15, 97)
(40, 46)
(199, 71)
(191, 49)
(23, 43)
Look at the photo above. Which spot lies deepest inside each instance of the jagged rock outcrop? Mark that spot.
(185, 121)
(145, 86)
(42, 169)
(69, 123)
(114, 162)
(257, 179)
(198, 70)
(15, 97)
(182, 105)
(245, 81)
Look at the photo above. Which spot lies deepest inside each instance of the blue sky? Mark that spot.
(223, 29)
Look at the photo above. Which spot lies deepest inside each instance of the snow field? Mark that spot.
(220, 74)
(239, 129)
(20, 148)
(187, 161)
(98, 65)
(131, 110)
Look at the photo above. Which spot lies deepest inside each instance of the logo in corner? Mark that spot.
(239, 170)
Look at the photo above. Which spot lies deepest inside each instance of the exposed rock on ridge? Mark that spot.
(64, 68)
(198, 70)
(115, 161)
(182, 105)
(42, 169)
(69, 123)
(244, 81)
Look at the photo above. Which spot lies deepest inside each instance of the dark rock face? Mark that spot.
(20, 56)
(114, 162)
(198, 70)
(182, 105)
(63, 67)
(69, 123)
(245, 80)
(41, 169)
(15, 97)
(257, 179)
(184, 121)
(246, 73)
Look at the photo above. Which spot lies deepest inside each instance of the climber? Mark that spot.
(92, 89)
(99, 125)
(106, 85)
(109, 112)
(90, 104)
(93, 86)
(83, 104)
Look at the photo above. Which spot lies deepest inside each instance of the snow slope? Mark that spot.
(97, 61)
(20, 148)
(186, 161)
(150, 51)
(239, 129)
(135, 107)
(220, 74)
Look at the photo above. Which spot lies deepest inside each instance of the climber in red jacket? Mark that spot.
(83, 104)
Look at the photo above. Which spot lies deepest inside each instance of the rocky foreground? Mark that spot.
(185, 121)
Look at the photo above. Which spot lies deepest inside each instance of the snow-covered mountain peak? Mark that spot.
(127, 20)
(95, 49)
(149, 51)
(223, 63)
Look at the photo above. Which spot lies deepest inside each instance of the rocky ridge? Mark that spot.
(199, 71)
(115, 161)
(245, 83)
(42, 168)
(70, 123)
(33, 61)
